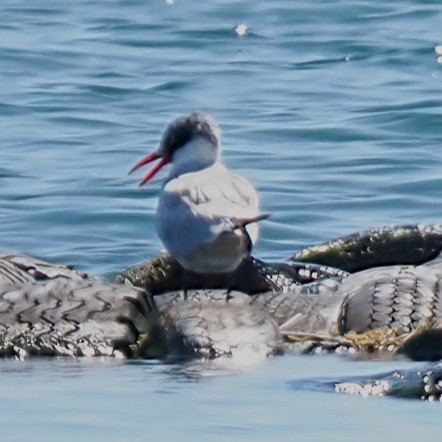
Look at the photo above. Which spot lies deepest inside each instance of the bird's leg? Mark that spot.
(184, 282)
(185, 285)
(234, 281)
(228, 295)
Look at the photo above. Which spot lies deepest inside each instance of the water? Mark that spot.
(332, 109)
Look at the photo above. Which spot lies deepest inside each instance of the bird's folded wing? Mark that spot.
(216, 193)
(205, 205)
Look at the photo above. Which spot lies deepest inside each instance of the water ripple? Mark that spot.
(331, 108)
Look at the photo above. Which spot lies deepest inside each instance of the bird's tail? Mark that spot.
(239, 223)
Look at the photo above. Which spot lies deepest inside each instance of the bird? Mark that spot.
(207, 216)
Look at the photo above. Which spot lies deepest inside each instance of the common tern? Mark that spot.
(207, 216)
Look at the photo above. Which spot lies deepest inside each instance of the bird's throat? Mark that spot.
(197, 154)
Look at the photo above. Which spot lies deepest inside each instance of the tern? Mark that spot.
(207, 216)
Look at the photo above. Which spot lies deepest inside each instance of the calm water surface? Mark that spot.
(332, 109)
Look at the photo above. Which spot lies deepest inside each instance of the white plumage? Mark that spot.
(207, 216)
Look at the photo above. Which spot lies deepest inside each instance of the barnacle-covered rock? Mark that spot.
(63, 317)
(385, 246)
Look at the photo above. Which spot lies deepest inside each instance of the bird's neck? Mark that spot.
(197, 154)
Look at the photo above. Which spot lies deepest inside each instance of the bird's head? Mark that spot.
(194, 140)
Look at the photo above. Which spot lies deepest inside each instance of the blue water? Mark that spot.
(332, 109)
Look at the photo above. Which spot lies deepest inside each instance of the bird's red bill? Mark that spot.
(152, 157)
